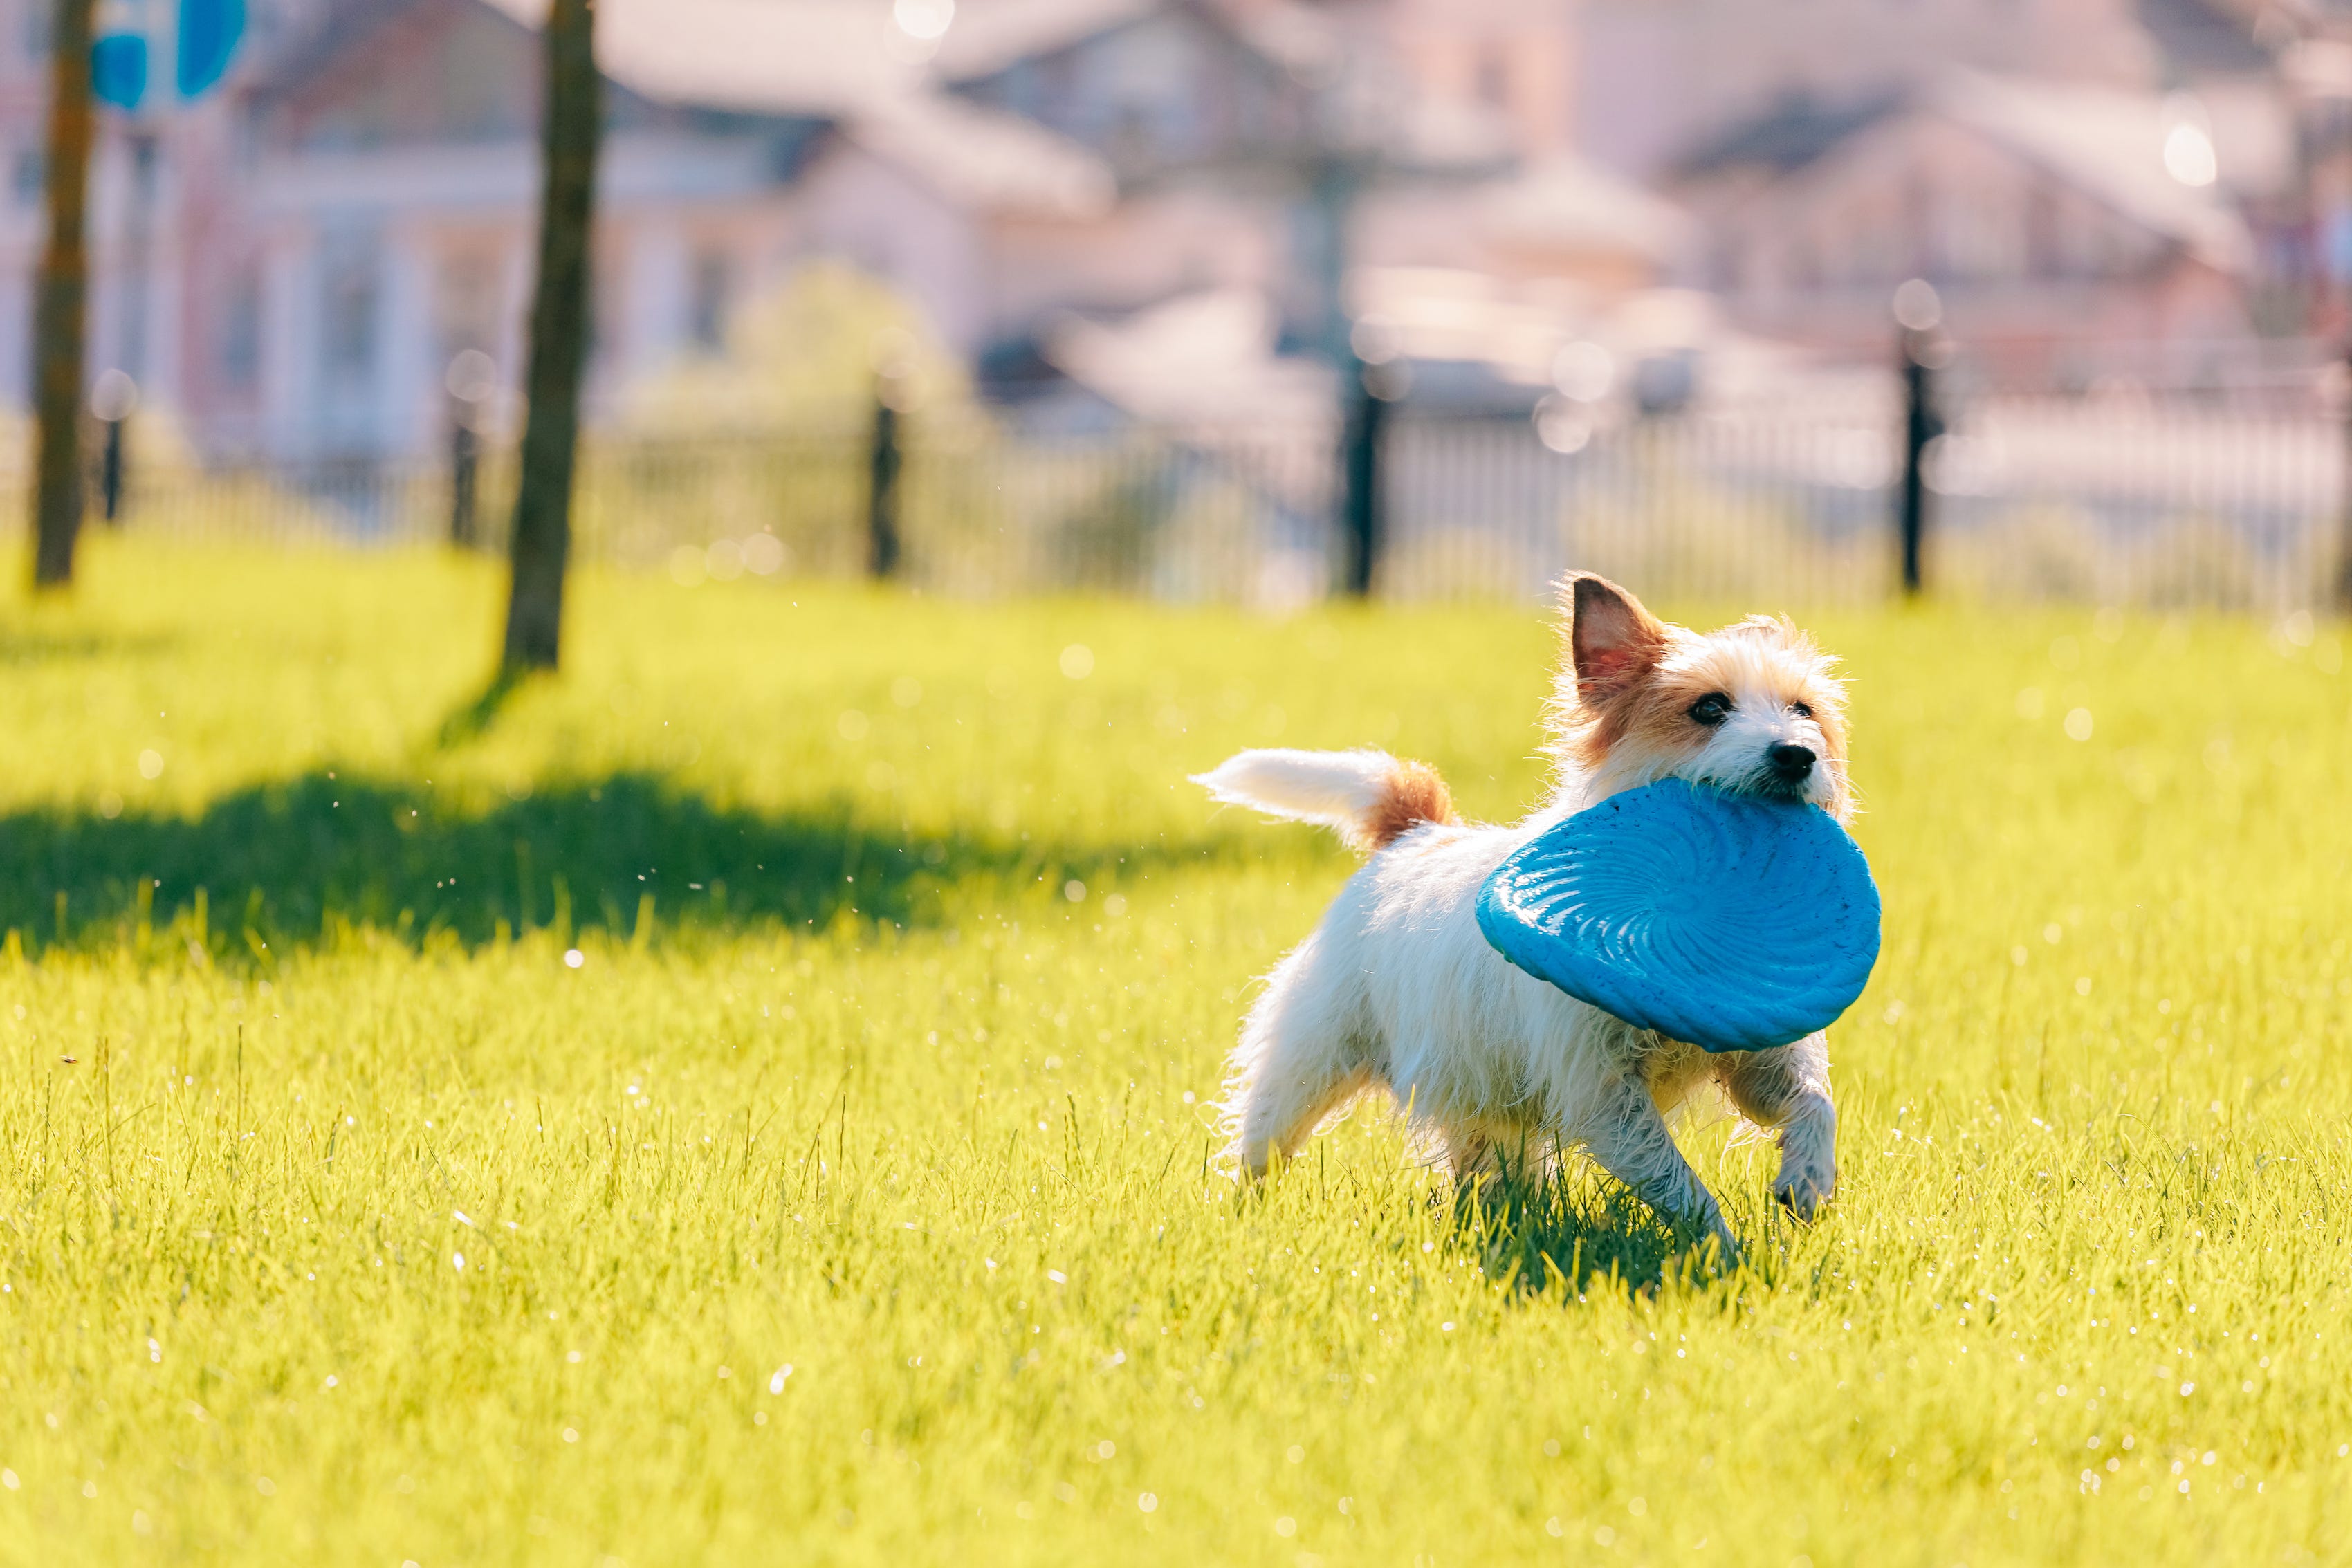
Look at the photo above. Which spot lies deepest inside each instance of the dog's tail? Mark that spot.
(1371, 797)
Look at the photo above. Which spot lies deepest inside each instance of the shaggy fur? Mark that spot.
(1397, 989)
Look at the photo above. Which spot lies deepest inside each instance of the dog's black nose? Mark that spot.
(1790, 762)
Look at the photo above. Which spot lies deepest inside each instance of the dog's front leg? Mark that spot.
(1624, 1134)
(1788, 1090)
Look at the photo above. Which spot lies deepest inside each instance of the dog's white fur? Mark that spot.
(1397, 989)
(1337, 788)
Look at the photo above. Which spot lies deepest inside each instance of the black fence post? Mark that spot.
(1360, 500)
(1918, 312)
(882, 489)
(471, 379)
(113, 401)
(109, 472)
(465, 479)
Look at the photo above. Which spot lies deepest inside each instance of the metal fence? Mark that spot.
(2229, 497)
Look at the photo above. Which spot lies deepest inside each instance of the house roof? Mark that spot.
(841, 62)
(749, 57)
(1204, 359)
(1792, 135)
(1567, 203)
(987, 35)
(2105, 143)
(984, 158)
(2109, 144)
(2194, 36)
(818, 57)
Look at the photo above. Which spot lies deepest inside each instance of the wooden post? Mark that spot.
(1360, 511)
(882, 494)
(559, 341)
(465, 474)
(1918, 313)
(110, 472)
(1917, 421)
(112, 398)
(59, 302)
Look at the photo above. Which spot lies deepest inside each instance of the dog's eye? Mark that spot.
(1801, 710)
(1711, 709)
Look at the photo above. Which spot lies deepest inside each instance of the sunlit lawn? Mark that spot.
(847, 1197)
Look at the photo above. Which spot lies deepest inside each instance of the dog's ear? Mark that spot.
(1611, 640)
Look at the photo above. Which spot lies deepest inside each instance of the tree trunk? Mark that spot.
(559, 341)
(59, 298)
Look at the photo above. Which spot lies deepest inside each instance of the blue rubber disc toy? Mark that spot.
(1729, 921)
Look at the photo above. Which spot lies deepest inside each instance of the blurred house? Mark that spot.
(2103, 178)
(2052, 218)
(1410, 161)
(1485, 186)
(391, 212)
(1660, 78)
(321, 245)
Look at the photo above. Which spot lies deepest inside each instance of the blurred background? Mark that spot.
(1255, 301)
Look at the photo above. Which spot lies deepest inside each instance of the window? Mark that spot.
(712, 289)
(466, 303)
(1984, 234)
(240, 332)
(2043, 259)
(348, 313)
(1493, 77)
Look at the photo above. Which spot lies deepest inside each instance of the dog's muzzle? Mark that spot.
(1792, 763)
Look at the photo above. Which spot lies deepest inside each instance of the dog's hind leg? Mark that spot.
(1788, 1090)
(1626, 1136)
(1289, 1096)
(1299, 1059)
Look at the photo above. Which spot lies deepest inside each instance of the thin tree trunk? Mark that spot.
(559, 341)
(59, 302)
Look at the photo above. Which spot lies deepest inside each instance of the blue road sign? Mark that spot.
(209, 31)
(117, 70)
(202, 41)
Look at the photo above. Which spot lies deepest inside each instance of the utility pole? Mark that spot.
(60, 298)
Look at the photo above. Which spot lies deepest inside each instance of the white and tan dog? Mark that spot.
(1397, 989)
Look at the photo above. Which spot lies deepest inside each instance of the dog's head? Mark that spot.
(1754, 708)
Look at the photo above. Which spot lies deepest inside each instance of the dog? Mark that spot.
(1396, 990)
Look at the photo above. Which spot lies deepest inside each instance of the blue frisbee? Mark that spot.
(1734, 923)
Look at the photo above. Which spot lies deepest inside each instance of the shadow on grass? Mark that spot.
(471, 719)
(21, 646)
(1593, 1236)
(289, 861)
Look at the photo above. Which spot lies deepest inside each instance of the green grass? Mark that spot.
(851, 1082)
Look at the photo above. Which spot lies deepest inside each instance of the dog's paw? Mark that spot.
(1802, 1193)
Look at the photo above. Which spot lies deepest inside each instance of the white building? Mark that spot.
(2059, 222)
(358, 208)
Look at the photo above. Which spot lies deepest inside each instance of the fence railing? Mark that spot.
(2108, 497)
